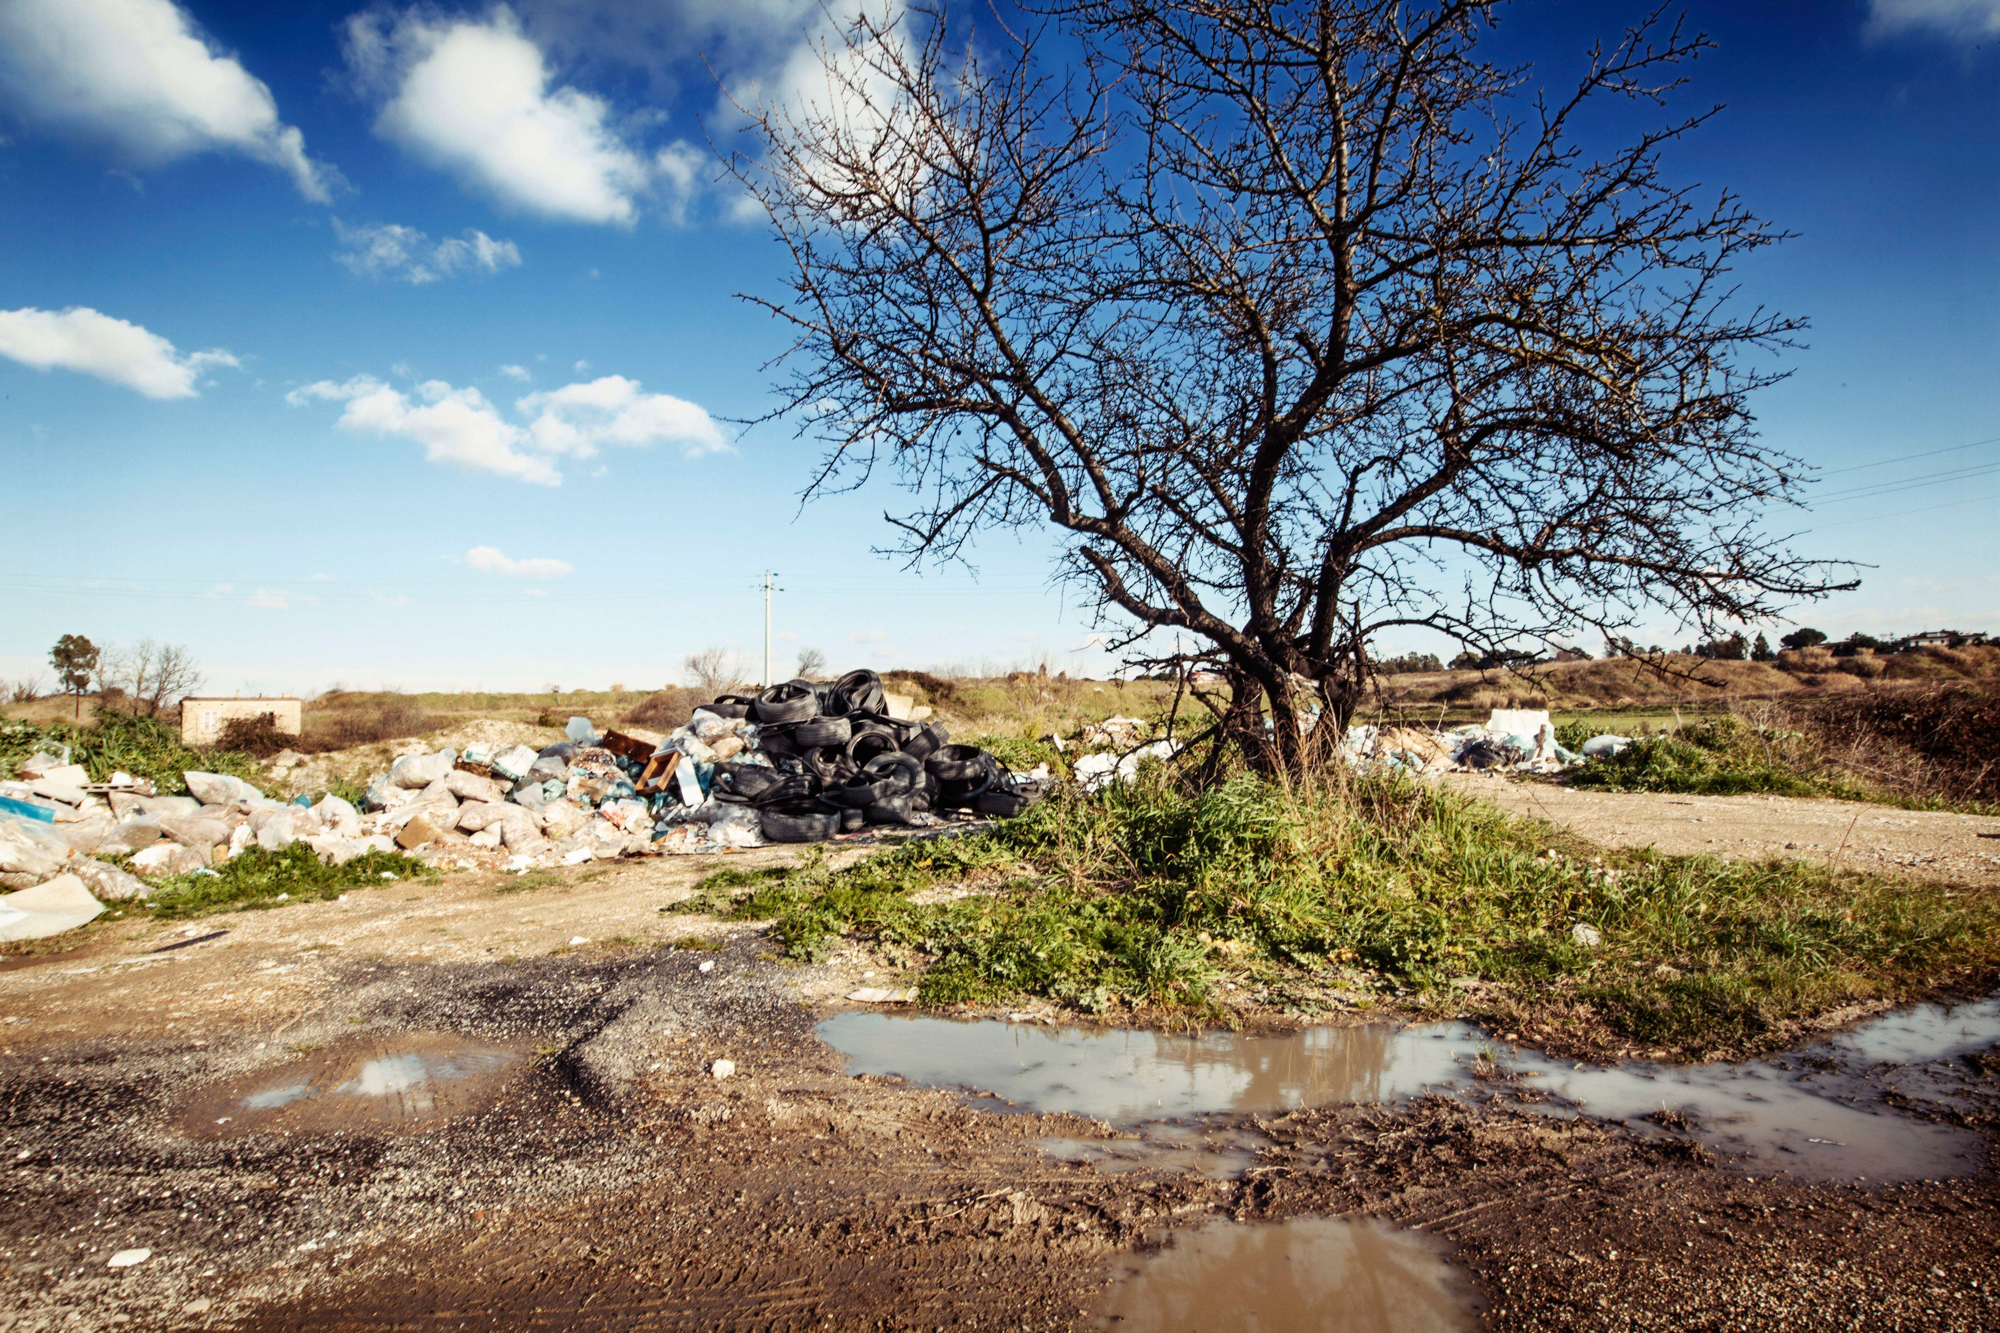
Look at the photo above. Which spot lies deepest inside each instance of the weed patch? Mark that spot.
(1154, 900)
(255, 878)
(145, 747)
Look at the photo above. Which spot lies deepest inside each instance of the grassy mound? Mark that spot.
(255, 878)
(1157, 901)
(145, 747)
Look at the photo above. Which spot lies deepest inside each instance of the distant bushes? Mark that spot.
(663, 710)
(335, 726)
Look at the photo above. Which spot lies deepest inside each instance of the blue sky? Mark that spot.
(401, 346)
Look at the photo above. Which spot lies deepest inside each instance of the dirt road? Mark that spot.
(583, 1168)
(1926, 844)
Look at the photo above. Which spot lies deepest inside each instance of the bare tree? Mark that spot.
(1296, 321)
(151, 676)
(713, 671)
(811, 662)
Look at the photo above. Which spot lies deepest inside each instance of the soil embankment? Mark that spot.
(1923, 844)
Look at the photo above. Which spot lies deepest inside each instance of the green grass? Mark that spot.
(1719, 755)
(142, 746)
(1149, 899)
(254, 879)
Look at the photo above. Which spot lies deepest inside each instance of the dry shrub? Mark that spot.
(663, 710)
(257, 735)
(1925, 741)
(1864, 664)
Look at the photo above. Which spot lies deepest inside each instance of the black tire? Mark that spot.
(851, 819)
(896, 765)
(859, 791)
(743, 782)
(958, 763)
(822, 732)
(788, 790)
(799, 821)
(730, 711)
(927, 741)
(868, 745)
(889, 810)
(790, 702)
(1002, 804)
(855, 692)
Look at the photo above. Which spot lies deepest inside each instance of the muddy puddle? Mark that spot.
(1816, 1112)
(392, 1084)
(1307, 1275)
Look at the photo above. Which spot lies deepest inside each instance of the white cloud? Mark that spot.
(266, 600)
(219, 591)
(456, 426)
(114, 350)
(1955, 18)
(139, 75)
(868, 636)
(493, 561)
(578, 418)
(475, 98)
(408, 255)
(462, 428)
(516, 373)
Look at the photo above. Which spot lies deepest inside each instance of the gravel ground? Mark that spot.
(591, 1172)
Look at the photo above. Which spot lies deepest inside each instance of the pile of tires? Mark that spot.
(839, 763)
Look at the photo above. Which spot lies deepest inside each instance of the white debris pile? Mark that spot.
(1513, 740)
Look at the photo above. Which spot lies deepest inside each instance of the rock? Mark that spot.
(1585, 937)
(277, 833)
(338, 817)
(706, 966)
(416, 832)
(383, 794)
(31, 848)
(475, 816)
(471, 787)
(194, 831)
(333, 849)
(126, 805)
(132, 836)
(47, 909)
(127, 1258)
(421, 770)
(107, 882)
(218, 788)
(86, 835)
(722, 1069)
(168, 858)
(560, 819)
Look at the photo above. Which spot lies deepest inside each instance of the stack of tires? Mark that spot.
(839, 762)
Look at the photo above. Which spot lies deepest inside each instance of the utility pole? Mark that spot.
(768, 588)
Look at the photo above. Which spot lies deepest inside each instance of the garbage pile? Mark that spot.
(804, 761)
(1516, 740)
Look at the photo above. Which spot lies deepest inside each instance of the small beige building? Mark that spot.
(202, 720)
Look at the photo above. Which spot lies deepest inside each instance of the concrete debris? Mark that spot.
(722, 1069)
(128, 1258)
(62, 903)
(1585, 936)
(1096, 771)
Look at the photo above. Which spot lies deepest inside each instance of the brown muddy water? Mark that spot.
(401, 1083)
(1306, 1275)
(1815, 1113)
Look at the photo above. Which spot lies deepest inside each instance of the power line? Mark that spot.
(1905, 458)
(1908, 483)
